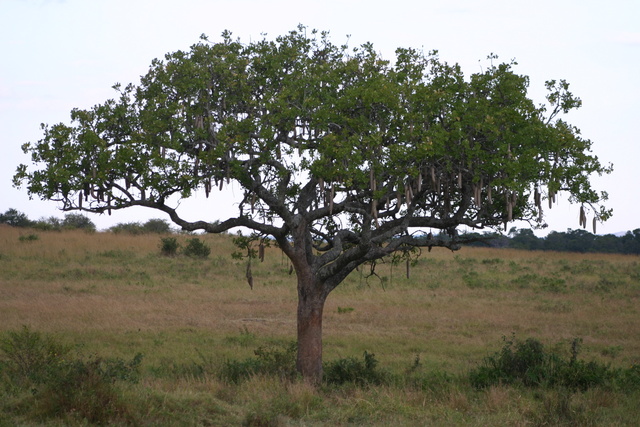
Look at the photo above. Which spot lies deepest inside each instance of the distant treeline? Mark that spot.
(78, 221)
(569, 241)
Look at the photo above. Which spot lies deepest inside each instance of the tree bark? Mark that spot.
(311, 301)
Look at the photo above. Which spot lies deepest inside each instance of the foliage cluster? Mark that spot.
(528, 363)
(194, 248)
(15, 218)
(71, 221)
(350, 370)
(155, 225)
(28, 237)
(169, 246)
(61, 385)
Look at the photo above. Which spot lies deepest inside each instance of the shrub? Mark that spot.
(78, 221)
(169, 246)
(352, 370)
(527, 363)
(127, 227)
(48, 224)
(158, 226)
(86, 390)
(278, 361)
(28, 357)
(61, 386)
(28, 237)
(628, 379)
(517, 362)
(15, 218)
(196, 248)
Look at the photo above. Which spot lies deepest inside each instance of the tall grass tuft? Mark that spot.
(277, 361)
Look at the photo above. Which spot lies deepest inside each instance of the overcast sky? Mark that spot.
(61, 54)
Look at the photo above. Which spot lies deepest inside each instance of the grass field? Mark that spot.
(113, 296)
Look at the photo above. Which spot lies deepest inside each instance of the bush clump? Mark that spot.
(78, 221)
(48, 224)
(196, 248)
(26, 357)
(15, 218)
(28, 237)
(169, 246)
(58, 385)
(134, 228)
(529, 364)
(355, 371)
(157, 226)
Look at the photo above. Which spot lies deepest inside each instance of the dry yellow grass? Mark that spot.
(116, 295)
(453, 310)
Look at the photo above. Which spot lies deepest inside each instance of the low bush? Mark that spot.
(27, 358)
(169, 246)
(134, 228)
(196, 248)
(355, 371)
(28, 237)
(529, 364)
(78, 221)
(156, 225)
(60, 386)
(86, 389)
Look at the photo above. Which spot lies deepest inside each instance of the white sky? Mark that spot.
(61, 54)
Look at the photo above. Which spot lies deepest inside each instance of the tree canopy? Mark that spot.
(342, 156)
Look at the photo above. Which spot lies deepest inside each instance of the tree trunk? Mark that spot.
(311, 301)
